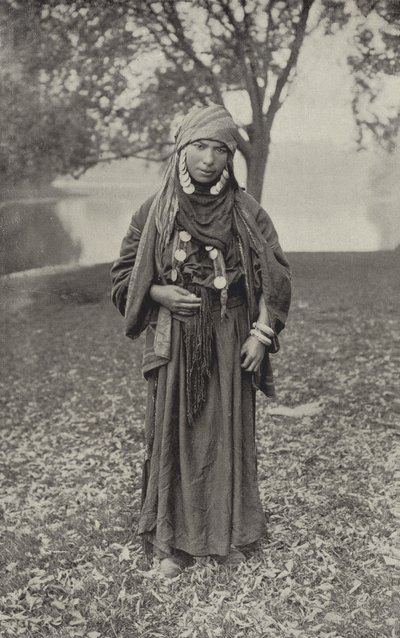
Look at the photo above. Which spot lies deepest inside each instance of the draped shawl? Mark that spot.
(135, 271)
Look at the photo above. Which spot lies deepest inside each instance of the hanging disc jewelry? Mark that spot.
(213, 253)
(215, 190)
(180, 255)
(182, 159)
(208, 248)
(184, 177)
(185, 236)
(220, 282)
(188, 189)
(174, 274)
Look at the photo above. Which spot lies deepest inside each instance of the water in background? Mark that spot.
(85, 228)
(33, 234)
(319, 201)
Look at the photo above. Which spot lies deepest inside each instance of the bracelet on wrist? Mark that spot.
(266, 341)
(264, 328)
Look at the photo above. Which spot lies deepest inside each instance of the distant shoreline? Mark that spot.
(308, 256)
(44, 199)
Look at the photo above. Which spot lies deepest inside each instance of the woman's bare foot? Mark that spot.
(235, 557)
(170, 567)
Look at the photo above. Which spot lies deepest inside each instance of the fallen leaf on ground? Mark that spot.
(305, 409)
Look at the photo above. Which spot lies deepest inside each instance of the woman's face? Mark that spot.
(205, 160)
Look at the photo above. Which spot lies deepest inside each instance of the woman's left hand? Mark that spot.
(252, 353)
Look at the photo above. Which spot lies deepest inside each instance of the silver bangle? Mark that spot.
(264, 328)
(266, 341)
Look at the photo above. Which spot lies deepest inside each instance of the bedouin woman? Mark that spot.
(201, 269)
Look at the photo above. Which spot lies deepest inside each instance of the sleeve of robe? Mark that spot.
(122, 268)
(279, 284)
(277, 290)
(280, 295)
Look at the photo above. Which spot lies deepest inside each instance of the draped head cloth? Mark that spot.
(212, 122)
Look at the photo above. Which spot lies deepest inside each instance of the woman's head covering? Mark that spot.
(212, 122)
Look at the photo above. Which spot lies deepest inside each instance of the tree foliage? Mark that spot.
(106, 78)
(377, 56)
(46, 129)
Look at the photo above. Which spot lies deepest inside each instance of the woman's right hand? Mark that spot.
(176, 299)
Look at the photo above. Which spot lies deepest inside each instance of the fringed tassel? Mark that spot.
(224, 301)
(224, 292)
(197, 338)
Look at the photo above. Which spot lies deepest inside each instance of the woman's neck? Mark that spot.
(203, 188)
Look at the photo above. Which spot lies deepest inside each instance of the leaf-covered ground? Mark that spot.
(73, 402)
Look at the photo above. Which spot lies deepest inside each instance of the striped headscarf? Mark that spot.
(211, 122)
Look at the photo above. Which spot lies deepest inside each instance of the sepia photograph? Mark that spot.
(200, 318)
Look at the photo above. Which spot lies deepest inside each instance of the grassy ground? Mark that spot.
(71, 449)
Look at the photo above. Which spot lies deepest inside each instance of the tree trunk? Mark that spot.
(256, 163)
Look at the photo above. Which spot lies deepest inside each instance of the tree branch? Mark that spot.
(267, 57)
(88, 162)
(244, 147)
(184, 44)
(245, 54)
(295, 48)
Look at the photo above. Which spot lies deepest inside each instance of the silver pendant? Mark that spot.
(180, 255)
(220, 282)
(213, 253)
(185, 236)
(188, 189)
(174, 274)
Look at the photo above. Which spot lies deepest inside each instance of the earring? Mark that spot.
(217, 188)
(184, 177)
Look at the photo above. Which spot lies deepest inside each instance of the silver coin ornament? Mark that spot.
(188, 189)
(213, 253)
(220, 282)
(208, 248)
(185, 236)
(174, 274)
(180, 255)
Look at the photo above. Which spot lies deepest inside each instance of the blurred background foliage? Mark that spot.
(86, 81)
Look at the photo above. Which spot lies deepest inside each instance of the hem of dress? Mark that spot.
(149, 538)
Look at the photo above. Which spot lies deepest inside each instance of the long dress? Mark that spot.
(201, 493)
